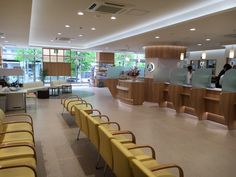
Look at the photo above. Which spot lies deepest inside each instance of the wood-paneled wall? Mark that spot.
(164, 51)
(104, 57)
(57, 69)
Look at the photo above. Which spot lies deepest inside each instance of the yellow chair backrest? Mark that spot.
(105, 144)
(84, 122)
(93, 131)
(121, 156)
(77, 118)
(139, 170)
(2, 117)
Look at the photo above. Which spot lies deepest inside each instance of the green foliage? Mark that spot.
(81, 61)
(120, 60)
(27, 54)
(43, 74)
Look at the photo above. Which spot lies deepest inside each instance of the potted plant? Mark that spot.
(44, 73)
(133, 73)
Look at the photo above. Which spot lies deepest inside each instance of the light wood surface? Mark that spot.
(111, 84)
(149, 92)
(164, 51)
(130, 92)
(204, 103)
(105, 57)
(57, 69)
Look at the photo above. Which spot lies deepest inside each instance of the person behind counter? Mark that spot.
(222, 72)
(189, 74)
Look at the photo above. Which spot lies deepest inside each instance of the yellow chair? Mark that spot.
(17, 171)
(13, 125)
(81, 104)
(22, 136)
(70, 101)
(14, 150)
(77, 112)
(140, 169)
(122, 157)
(93, 121)
(105, 136)
(121, 154)
(16, 136)
(83, 116)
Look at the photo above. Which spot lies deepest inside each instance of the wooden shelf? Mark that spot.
(212, 99)
(122, 88)
(130, 92)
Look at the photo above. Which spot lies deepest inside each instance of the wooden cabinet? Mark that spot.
(131, 92)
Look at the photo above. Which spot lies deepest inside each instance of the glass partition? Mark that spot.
(229, 81)
(178, 76)
(202, 78)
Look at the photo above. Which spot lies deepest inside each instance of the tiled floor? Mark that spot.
(202, 148)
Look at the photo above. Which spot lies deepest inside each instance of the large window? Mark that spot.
(131, 60)
(28, 59)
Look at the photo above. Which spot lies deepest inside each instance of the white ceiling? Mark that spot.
(169, 19)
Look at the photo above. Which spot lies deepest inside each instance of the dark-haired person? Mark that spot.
(189, 74)
(222, 72)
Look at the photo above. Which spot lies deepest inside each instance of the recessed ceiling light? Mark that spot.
(192, 29)
(80, 35)
(208, 39)
(51, 40)
(80, 13)
(199, 44)
(67, 26)
(59, 33)
(113, 17)
(157, 37)
(93, 29)
(6, 41)
(2, 37)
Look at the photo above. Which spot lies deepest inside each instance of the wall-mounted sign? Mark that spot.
(150, 67)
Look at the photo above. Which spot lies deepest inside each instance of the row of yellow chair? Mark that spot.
(17, 146)
(117, 147)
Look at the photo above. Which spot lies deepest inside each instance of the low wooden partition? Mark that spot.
(211, 104)
(131, 92)
(111, 84)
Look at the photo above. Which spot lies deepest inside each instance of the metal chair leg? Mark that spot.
(78, 135)
(63, 110)
(105, 170)
(98, 160)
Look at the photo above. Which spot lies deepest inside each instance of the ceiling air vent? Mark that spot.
(107, 7)
(230, 35)
(65, 39)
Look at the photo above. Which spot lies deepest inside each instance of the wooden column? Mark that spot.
(228, 105)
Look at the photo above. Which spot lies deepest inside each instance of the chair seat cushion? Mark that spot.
(10, 152)
(27, 160)
(17, 126)
(17, 172)
(17, 137)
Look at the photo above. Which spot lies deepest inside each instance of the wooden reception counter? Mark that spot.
(209, 103)
(131, 92)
